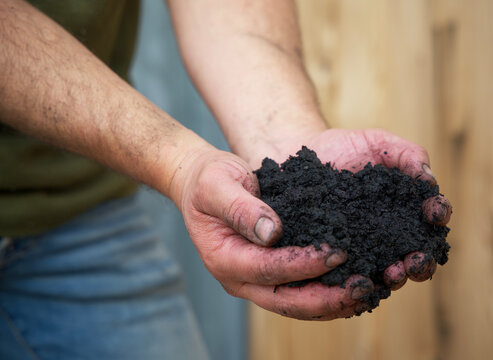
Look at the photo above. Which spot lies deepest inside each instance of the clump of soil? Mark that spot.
(374, 215)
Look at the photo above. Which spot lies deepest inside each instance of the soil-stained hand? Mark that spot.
(352, 150)
(232, 230)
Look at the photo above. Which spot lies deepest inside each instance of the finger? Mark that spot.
(437, 210)
(314, 301)
(395, 275)
(419, 266)
(394, 151)
(242, 261)
(398, 285)
(232, 201)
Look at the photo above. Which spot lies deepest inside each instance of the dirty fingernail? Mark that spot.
(360, 288)
(401, 276)
(417, 261)
(420, 261)
(398, 285)
(437, 210)
(426, 267)
(264, 229)
(358, 292)
(335, 258)
(361, 308)
(421, 267)
(427, 171)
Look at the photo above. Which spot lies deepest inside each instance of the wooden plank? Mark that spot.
(465, 87)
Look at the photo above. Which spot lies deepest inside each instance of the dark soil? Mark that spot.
(374, 215)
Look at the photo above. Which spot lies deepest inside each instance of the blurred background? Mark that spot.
(420, 68)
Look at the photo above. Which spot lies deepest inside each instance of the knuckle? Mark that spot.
(295, 311)
(233, 210)
(403, 161)
(286, 309)
(337, 302)
(266, 273)
(235, 215)
(421, 150)
(221, 270)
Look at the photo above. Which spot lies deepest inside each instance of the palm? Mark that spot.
(353, 149)
(345, 149)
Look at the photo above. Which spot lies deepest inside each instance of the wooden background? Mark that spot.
(424, 70)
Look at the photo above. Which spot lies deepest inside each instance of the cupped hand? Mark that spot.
(232, 230)
(352, 150)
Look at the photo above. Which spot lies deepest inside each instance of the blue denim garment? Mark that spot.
(102, 286)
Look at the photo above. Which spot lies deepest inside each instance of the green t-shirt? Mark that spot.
(42, 186)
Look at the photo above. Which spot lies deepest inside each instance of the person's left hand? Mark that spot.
(352, 150)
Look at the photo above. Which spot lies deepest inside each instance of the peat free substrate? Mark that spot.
(374, 215)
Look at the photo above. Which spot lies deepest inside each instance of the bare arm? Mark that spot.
(245, 58)
(53, 88)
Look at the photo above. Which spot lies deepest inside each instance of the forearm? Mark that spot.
(245, 58)
(53, 88)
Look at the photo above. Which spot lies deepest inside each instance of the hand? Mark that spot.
(231, 228)
(352, 150)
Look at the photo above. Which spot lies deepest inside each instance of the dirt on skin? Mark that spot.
(374, 215)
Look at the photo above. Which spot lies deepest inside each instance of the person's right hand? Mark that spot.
(233, 230)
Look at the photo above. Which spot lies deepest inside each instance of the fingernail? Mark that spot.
(398, 285)
(264, 229)
(402, 276)
(426, 267)
(360, 288)
(361, 308)
(428, 171)
(437, 210)
(422, 267)
(420, 263)
(335, 258)
(358, 292)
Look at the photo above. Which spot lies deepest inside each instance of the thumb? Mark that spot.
(231, 198)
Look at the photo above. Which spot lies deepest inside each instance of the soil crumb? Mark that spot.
(375, 215)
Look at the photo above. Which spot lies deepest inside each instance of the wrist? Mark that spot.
(278, 142)
(178, 159)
